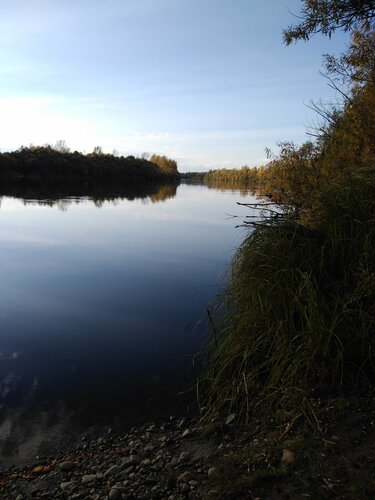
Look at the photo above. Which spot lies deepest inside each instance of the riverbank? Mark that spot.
(184, 458)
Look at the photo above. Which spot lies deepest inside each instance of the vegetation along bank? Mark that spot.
(298, 333)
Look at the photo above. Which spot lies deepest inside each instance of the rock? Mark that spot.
(66, 484)
(211, 471)
(288, 457)
(20, 497)
(184, 457)
(89, 478)
(146, 461)
(131, 460)
(112, 471)
(67, 466)
(187, 433)
(185, 488)
(114, 494)
(231, 418)
(185, 477)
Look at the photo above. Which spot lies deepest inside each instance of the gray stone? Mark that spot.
(185, 477)
(131, 460)
(211, 471)
(115, 494)
(89, 478)
(67, 466)
(67, 484)
(112, 471)
(231, 418)
(184, 457)
(185, 488)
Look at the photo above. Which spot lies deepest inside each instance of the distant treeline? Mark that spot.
(60, 163)
(250, 178)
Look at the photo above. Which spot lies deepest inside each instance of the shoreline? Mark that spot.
(182, 458)
(155, 460)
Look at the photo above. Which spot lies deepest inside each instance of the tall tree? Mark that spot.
(327, 16)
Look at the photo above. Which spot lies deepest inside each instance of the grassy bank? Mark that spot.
(299, 324)
(300, 319)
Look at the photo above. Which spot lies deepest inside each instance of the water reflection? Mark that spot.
(100, 309)
(64, 193)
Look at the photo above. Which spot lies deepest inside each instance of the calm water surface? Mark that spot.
(101, 308)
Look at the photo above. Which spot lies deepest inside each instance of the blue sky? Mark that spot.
(207, 82)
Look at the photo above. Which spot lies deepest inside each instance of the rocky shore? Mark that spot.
(181, 458)
(172, 460)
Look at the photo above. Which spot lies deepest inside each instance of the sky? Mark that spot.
(206, 82)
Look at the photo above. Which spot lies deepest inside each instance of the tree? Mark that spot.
(358, 64)
(165, 164)
(327, 16)
(61, 146)
(97, 150)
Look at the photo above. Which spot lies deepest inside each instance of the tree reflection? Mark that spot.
(62, 194)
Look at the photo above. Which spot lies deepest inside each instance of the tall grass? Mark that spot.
(300, 308)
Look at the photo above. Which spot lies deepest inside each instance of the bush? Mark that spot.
(300, 308)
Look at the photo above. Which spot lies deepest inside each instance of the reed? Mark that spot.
(299, 309)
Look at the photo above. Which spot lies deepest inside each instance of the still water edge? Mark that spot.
(102, 308)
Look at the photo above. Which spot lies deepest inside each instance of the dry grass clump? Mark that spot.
(300, 308)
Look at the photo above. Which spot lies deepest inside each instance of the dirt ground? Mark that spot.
(333, 460)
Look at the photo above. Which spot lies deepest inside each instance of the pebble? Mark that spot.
(131, 460)
(231, 418)
(114, 494)
(112, 471)
(184, 457)
(89, 478)
(151, 461)
(211, 471)
(185, 488)
(67, 484)
(67, 466)
(185, 477)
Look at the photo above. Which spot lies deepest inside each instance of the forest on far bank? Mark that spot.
(58, 162)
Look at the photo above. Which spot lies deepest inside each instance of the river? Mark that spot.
(103, 308)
